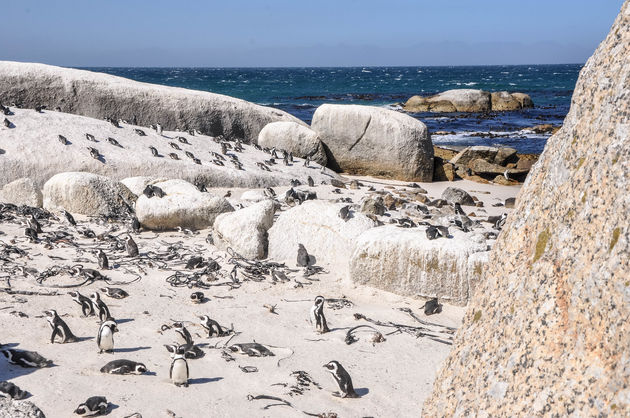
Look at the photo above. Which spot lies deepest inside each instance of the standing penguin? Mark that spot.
(103, 262)
(346, 390)
(100, 307)
(86, 304)
(317, 315)
(302, 256)
(59, 328)
(105, 337)
(131, 246)
(178, 372)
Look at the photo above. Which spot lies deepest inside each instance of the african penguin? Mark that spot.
(302, 256)
(25, 358)
(178, 372)
(103, 262)
(124, 367)
(86, 304)
(59, 328)
(342, 378)
(114, 292)
(212, 326)
(131, 246)
(99, 307)
(105, 337)
(317, 315)
(93, 406)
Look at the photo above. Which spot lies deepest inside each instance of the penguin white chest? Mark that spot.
(179, 371)
(107, 339)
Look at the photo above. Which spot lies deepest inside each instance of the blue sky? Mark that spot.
(303, 33)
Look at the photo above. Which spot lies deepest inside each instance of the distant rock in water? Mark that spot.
(547, 331)
(468, 100)
(375, 141)
(101, 95)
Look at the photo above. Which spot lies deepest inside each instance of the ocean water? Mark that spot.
(300, 91)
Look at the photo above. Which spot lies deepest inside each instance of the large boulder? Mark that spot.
(22, 191)
(294, 137)
(458, 100)
(375, 141)
(87, 194)
(475, 152)
(32, 149)
(245, 230)
(183, 206)
(405, 262)
(503, 100)
(456, 195)
(317, 225)
(547, 330)
(101, 95)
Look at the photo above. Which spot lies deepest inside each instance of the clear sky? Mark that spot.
(277, 33)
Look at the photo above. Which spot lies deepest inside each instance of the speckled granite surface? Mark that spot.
(548, 333)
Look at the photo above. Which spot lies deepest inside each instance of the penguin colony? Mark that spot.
(183, 352)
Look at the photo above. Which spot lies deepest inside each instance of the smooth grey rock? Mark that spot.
(87, 194)
(455, 195)
(375, 141)
(101, 95)
(293, 137)
(22, 191)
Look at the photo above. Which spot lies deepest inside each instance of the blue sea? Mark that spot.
(300, 91)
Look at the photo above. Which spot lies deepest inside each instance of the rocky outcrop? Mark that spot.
(456, 195)
(87, 194)
(183, 206)
(10, 408)
(33, 149)
(405, 262)
(295, 138)
(468, 100)
(22, 191)
(547, 331)
(245, 230)
(102, 95)
(483, 163)
(375, 141)
(503, 101)
(469, 154)
(316, 225)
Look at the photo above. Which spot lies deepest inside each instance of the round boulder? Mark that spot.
(182, 206)
(22, 191)
(295, 138)
(87, 194)
(375, 141)
(455, 195)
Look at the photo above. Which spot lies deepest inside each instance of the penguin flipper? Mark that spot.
(53, 335)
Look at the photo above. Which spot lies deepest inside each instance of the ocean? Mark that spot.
(299, 91)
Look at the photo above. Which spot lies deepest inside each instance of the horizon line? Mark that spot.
(310, 66)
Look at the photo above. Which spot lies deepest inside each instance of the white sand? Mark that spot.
(393, 377)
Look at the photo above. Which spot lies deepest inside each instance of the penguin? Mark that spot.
(432, 232)
(290, 157)
(34, 224)
(7, 123)
(69, 217)
(114, 292)
(93, 406)
(179, 371)
(90, 137)
(103, 262)
(189, 348)
(190, 155)
(124, 367)
(105, 337)
(344, 213)
(135, 225)
(217, 156)
(25, 358)
(302, 256)
(500, 223)
(183, 332)
(86, 304)
(114, 142)
(131, 246)
(212, 327)
(63, 140)
(59, 328)
(346, 390)
(31, 234)
(39, 108)
(100, 307)
(224, 149)
(183, 140)
(197, 161)
(174, 156)
(311, 182)
(432, 306)
(154, 151)
(197, 297)
(317, 315)
(12, 391)
(139, 132)
(251, 350)
(174, 146)
(306, 161)
(94, 153)
(159, 129)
